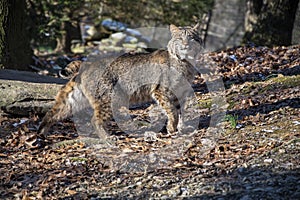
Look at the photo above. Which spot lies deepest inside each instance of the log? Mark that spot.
(24, 93)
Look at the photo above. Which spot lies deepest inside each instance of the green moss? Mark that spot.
(79, 159)
(232, 119)
(266, 89)
(282, 82)
(286, 81)
(205, 103)
(231, 105)
(271, 84)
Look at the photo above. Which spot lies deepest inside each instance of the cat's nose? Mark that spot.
(185, 42)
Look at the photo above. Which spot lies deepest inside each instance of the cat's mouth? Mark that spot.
(184, 55)
(184, 51)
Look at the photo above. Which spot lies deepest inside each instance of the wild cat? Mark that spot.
(101, 86)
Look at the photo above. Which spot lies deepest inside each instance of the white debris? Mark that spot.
(296, 122)
(268, 131)
(22, 121)
(268, 160)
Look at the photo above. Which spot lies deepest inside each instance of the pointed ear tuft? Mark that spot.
(174, 28)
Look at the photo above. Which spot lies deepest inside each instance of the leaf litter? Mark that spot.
(256, 156)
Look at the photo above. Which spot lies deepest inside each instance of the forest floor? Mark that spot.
(254, 155)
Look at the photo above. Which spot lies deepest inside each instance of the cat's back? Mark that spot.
(132, 59)
(111, 67)
(101, 73)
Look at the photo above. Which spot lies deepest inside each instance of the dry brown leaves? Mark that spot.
(256, 156)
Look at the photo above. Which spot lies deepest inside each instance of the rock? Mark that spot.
(142, 45)
(129, 46)
(145, 39)
(133, 32)
(131, 39)
(91, 31)
(113, 25)
(106, 41)
(118, 36)
(110, 48)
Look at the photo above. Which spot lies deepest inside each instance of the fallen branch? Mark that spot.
(23, 93)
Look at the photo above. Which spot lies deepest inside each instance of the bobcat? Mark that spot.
(96, 83)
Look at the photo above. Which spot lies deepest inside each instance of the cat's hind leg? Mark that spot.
(62, 108)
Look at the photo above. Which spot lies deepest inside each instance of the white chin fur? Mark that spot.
(183, 54)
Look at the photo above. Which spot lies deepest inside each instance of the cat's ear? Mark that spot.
(196, 27)
(174, 29)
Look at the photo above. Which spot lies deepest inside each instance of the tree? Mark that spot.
(156, 12)
(270, 22)
(57, 20)
(15, 51)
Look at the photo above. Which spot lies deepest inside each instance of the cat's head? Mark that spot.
(185, 43)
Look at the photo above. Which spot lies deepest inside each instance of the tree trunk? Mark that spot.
(270, 22)
(226, 26)
(296, 29)
(15, 51)
(68, 33)
(3, 23)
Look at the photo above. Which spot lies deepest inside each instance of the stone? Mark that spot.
(131, 39)
(129, 46)
(118, 36)
(133, 32)
(142, 45)
(113, 25)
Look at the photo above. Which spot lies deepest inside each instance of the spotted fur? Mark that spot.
(71, 69)
(95, 82)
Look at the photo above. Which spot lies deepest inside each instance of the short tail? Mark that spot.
(61, 109)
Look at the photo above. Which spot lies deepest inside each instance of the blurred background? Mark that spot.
(31, 29)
